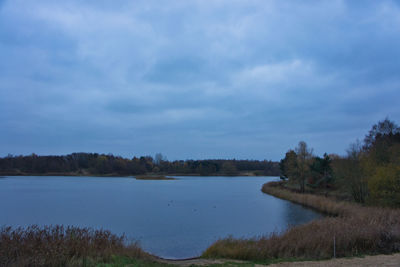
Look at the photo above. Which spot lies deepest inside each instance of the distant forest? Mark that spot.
(110, 165)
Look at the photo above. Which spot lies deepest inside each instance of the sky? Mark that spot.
(195, 79)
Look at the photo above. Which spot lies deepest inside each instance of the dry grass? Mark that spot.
(61, 246)
(322, 204)
(356, 229)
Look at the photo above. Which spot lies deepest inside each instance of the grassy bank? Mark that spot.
(356, 230)
(328, 206)
(68, 246)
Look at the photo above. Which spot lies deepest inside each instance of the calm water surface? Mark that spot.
(172, 219)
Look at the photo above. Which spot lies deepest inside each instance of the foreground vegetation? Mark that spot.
(355, 230)
(67, 246)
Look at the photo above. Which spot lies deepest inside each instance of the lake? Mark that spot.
(170, 218)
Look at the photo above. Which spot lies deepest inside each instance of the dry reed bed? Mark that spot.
(356, 230)
(61, 246)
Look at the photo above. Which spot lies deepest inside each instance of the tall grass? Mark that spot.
(356, 230)
(322, 204)
(62, 246)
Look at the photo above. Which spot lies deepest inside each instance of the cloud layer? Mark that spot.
(195, 79)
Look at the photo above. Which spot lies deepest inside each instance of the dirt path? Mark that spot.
(367, 261)
(199, 262)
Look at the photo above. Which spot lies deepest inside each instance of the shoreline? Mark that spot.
(328, 206)
(131, 175)
(349, 230)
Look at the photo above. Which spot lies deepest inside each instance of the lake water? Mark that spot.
(172, 219)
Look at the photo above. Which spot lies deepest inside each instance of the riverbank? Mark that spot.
(350, 230)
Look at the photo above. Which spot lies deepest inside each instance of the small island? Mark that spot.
(153, 177)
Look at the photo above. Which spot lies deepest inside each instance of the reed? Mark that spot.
(356, 230)
(322, 204)
(62, 246)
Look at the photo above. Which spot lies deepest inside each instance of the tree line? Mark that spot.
(369, 172)
(102, 164)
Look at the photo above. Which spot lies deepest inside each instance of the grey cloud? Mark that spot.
(194, 79)
(177, 70)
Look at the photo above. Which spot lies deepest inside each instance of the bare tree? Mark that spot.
(159, 158)
(385, 127)
(353, 171)
(304, 158)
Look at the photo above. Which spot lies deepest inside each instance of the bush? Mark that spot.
(384, 186)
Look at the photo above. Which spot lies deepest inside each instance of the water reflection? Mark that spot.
(299, 214)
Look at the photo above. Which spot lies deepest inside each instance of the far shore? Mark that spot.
(87, 174)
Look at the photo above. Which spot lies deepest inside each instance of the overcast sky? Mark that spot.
(195, 79)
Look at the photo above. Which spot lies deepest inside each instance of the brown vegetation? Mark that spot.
(61, 246)
(355, 229)
(322, 204)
